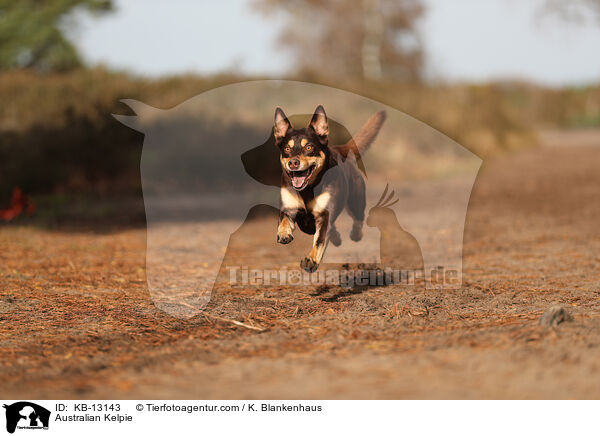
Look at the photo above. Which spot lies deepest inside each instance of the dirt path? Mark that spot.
(76, 320)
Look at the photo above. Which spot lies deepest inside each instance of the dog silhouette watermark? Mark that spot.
(212, 165)
(26, 415)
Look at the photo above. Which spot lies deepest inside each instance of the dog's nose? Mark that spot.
(294, 164)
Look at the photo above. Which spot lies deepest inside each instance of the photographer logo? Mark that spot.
(25, 415)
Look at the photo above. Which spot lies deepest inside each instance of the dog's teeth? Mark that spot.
(299, 177)
(298, 181)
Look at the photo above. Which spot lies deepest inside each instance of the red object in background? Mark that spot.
(18, 203)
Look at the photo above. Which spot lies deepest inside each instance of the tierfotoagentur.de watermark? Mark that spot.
(361, 276)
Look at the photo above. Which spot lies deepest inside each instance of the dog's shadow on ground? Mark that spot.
(339, 292)
(373, 274)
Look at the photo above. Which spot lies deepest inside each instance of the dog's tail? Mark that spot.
(361, 142)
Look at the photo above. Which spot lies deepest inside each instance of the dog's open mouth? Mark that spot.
(300, 178)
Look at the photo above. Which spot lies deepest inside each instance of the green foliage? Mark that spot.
(31, 35)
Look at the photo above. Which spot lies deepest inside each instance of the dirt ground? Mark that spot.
(76, 319)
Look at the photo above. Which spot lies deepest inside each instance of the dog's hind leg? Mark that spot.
(356, 233)
(357, 202)
(334, 236)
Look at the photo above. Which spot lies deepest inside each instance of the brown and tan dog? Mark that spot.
(320, 181)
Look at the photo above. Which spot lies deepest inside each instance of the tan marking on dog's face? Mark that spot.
(308, 159)
(318, 162)
(305, 162)
(291, 142)
(291, 200)
(320, 203)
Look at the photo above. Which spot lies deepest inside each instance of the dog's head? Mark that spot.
(302, 152)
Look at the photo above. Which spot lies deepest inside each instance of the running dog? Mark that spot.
(319, 181)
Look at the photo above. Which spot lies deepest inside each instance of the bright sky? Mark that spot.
(472, 40)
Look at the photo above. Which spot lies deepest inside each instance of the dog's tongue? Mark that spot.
(298, 181)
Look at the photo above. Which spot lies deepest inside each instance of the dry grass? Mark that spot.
(76, 320)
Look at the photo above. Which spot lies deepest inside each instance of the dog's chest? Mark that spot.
(294, 201)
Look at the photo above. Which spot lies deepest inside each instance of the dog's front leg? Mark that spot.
(286, 227)
(311, 262)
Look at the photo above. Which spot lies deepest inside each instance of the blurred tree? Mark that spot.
(373, 39)
(31, 34)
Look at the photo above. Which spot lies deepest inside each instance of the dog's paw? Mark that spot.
(285, 238)
(335, 238)
(356, 234)
(308, 265)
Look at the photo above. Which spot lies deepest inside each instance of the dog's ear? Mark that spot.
(282, 124)
(319, 124)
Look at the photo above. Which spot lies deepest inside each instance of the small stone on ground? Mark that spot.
(554, 316)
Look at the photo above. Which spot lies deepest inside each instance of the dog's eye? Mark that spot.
(308, 147)
(287, 149)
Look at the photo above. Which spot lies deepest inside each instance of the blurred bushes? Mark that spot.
(57, 135)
